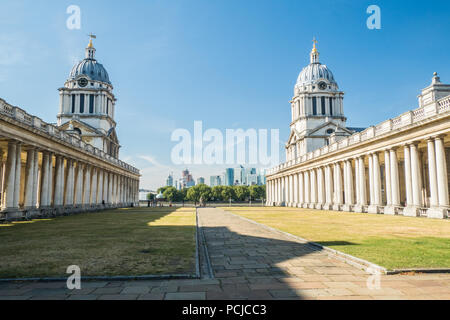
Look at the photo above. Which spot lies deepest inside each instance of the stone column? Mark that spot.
(362, 190)
(94, 184)
(10, 177)
(59, 173)
(371, 190)
(307, 189)
(79, 184)
(283, 192)
(301, 190)
(295, 187)
(387, 178)
(413, 206)
(29, 180)
(441, 209)
(357, 192)
(338, 187)
(408, 186)
(290, 191)
(376, 185)
(45, 175)
(349, 196)
(86, 185)
(69, 189)
(441, 169)
(100, 187)
(18, 174)
(395, 181)
(313, 187)
(328, 189)
(320, 188)
(434, 201)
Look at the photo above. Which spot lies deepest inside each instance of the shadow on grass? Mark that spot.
(121, 242)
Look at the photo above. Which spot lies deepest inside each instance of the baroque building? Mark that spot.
(48, 170)
(399, 167)
(317, 110)
(87, 104)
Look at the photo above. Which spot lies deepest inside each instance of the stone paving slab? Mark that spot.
(249, 262)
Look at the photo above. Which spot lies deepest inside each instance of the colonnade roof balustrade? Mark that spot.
(404, 121)
(39, 126)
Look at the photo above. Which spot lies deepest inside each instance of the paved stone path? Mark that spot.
(250, 262)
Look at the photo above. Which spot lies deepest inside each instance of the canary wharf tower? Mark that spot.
(87, 104)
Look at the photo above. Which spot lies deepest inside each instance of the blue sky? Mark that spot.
(231, 64)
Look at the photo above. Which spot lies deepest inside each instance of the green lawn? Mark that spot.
(133, 241)
(394, 242)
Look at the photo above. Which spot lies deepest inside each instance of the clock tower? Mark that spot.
(87, 104)
(317, 112)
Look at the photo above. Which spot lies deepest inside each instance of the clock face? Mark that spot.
(322, 85)
(82, 82)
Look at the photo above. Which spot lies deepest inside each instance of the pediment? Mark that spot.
(321, 130)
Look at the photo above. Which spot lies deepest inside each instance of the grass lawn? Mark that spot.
(133, 241)
(394, 242)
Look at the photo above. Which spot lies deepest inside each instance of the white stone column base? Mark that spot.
(373, 208)
(299, 205)
(327, 206)
(347, 207)
(391, 210)
(336, 207)
(318, 206)
(311, 205)
(305, 206)
(437, 213)
(411, 211)
(358, 208)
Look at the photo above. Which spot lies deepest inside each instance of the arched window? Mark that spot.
(81, 103)
(73, 103)
(314, 102)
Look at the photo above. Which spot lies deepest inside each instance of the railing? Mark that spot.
(20, 115)
(410, 117)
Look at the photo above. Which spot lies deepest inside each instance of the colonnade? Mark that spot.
(36, 181)
(409, 179)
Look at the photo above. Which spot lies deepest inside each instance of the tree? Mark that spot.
(228, 193)
(216, 193)
(255, 192)
(242, 192)
(161, 190)
(204, 192)
(170, 194)
(150, 196)
(193, 194)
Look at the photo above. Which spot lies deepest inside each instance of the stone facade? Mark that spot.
(46, 171)
(399, 166)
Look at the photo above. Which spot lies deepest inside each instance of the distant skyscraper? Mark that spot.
(239, 175)
(229, 176)
(186, 179)
(215, 181)
(169, 181)
(201, 180)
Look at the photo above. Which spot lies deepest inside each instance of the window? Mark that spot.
(91, 103)
(107, 106)
(81, 103)
(323, 105)
(73, 103)
(330, 131)
(314, 102)
(331, 106)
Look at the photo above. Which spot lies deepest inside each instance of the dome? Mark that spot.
(90, 67)
(313, 72)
